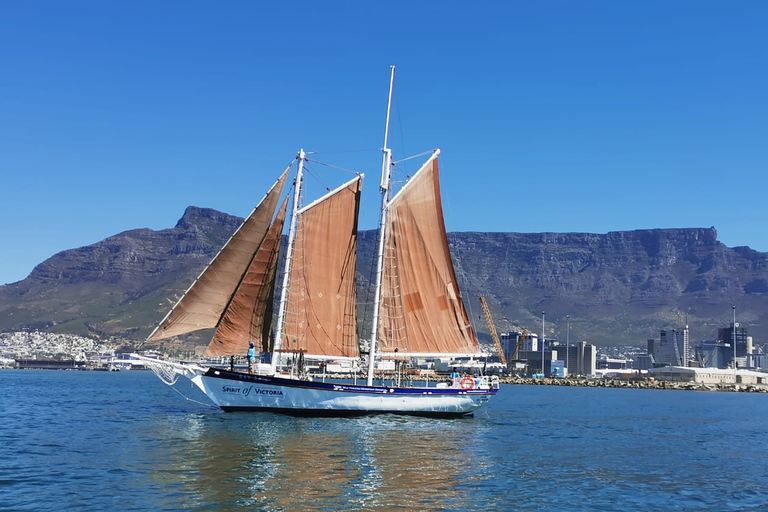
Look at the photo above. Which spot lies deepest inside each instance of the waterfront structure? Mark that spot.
(509, 340)
(672, 349)
(506, 344)
(759, 360)
(581, 357)
(707, 375)
(725, 335)
(643, 361)
(715, 354)
(49, 364)
(720, 353)
(614, 363)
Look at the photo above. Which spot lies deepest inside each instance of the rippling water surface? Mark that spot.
(125, 441)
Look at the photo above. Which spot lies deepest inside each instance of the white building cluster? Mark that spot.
(50, 346)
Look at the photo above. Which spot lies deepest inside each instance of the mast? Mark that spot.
(386, 163)
(289, 256)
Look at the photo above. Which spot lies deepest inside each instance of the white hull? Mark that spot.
(235, 391)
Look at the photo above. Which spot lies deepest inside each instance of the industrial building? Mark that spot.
(575, 359)
(671, 349)
(708, 375)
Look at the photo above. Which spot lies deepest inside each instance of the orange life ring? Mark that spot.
(467, 383)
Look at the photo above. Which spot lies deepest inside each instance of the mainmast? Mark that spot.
(289, 257)
(386, 164)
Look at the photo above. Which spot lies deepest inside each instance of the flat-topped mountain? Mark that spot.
(618, 288)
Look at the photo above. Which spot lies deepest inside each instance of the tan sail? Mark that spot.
(203, 304)
(421, 308)
(321, 311)
(248, 317)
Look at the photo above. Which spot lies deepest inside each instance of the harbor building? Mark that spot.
(614, 363)
(725, 335)
(510, 341)
(577, 359)
(759, 361)
(719, 353)
(643, 362)
(671, 349)
(708, 375)
(715, 354)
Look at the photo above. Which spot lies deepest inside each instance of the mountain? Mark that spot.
(619, 288)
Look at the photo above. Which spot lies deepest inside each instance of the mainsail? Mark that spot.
(421, 308)
(204, 303)
(321, 312)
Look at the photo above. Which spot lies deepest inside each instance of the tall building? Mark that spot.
(581, 358)
(509, 341)
(653, 346)
(716, 354)
(725, 334)
(673, 348)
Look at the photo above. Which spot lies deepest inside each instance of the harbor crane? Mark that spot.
(492, 328)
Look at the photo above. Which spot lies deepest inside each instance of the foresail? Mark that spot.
(203, 304)
(321, 311)
(248, 317)
(421, 307)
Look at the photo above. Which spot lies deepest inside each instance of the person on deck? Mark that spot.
(251, 356)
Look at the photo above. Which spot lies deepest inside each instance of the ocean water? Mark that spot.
(126, 441)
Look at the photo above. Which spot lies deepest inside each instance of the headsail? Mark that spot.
(421, 308)
(249, 315)
(321, 312)
(203, 304)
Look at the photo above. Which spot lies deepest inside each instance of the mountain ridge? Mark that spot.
(621, 287)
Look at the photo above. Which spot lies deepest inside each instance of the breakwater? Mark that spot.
(636, 383)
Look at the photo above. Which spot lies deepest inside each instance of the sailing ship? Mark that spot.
(417, 313)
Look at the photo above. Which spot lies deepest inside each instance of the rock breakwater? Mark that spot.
(637, 384)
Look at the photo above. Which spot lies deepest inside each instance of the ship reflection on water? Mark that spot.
(274, 462)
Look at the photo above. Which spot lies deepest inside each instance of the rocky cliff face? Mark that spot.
(120, 286)
(618, 288)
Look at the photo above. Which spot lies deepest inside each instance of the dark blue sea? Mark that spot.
(126, 441)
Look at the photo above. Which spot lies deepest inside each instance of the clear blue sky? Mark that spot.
(557, 116)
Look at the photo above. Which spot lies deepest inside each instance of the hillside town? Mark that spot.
(46, 346)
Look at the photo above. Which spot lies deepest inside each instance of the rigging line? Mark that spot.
(404, 172)
(345, 151)
(311, 172)
(192, 399)
(462, 276)
(337, 167)
(430, 152)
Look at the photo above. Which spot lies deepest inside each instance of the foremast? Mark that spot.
(386, 172)
(288, 260)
